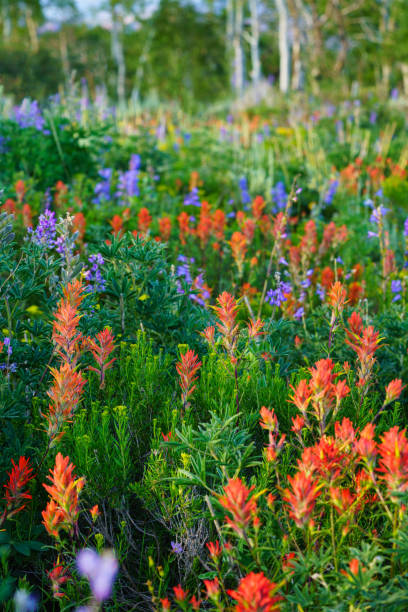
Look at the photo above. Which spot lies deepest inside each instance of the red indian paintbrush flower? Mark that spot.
(227, 312)
(301, 396)
(393, 462)
(212, 588)
(214, 549)
(179, 593)
(187, 368)
(301, 497)
(366, 446)
(65, 395)
(63, 509)
(101, 349)
(254, 328)
(144, 220)
(238, 244)
(16, 492)
(165, 228)
(237, 501)
(393, 390)
(337, 297)
(256, 593)
(65, 333)
(58, 576)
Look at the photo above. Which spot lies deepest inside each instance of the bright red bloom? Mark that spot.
(58, 576)
(144, 220)
(366, 446)
(238, 244)
(187, 368)
(238, 502)
(195, 603)
(298, 423)
(255, 593)
(258, 206)
(214, 549)
(269, 419)
(166, 605)
(341, 499)
(208, 334)
(212, 587)
(337, 297)
(179, 593)
(301, 396)
(301, 498)
(345, 431)
(219, 224)
(254, 328)
(101, 348)
(19, 477)
(116, 224)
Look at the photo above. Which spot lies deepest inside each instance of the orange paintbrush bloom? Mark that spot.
(301, 497)
(219, 224)
(238, 244)
(393, 462)
(116, 224)
(227, 312)
(58, 576)
(63, 508)
(165, 228)
(184, 226)
(144, 220)
(187, 369)
(254, 328)
(258, 206)
(237, 501)
(214, 549)
(101, 349)
(255, 593)
(393, 390)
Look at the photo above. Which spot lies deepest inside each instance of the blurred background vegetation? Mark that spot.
(199, 53)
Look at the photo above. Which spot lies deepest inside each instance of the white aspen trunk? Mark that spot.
(284, 46)
(297, 66)
(404, 72)
(254, 43)
(119, 58)
(63, 47)
(238, 50)
(32, 29)
(230, 41)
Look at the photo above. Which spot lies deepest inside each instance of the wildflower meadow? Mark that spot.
(203, 347)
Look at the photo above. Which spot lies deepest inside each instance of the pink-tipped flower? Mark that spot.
(208, 334)
(298, 423)
(254, 328)
(101, 349)
(100, 570)
(187, 369)
(58, 576)
(393, 390)
(301, 497)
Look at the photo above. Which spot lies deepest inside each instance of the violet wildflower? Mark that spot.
(331, 192)
(7, 343)
(102, 189)
(100, 570)
(243, 185)
(93, 275)
(176, 547)
(45, 232)
(128, 184)
(277, 296)
(373, 117)
(25, 601)
(396, 289)
(320, 291)
(279, 195)
(406, 228)
(28, 114)
(192, 198)
(299, 313)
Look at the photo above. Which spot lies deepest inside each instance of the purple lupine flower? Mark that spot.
(176, 547)
(28, 114)
(25, 601)
(321, 292)
(331, 192)
(192, 198)
(283, 261)
(373, 117)
(396, 289)
(277, 296)
(243, 185)
(406, 228)
(100, 570)
(279, 195)
(7, 343)
(299, 313)
(102, 189)
(93, 275)
(45, 232)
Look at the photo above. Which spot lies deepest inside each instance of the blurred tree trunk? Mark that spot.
(238, 50)
(118, 56)
(284, 46)
(297, 67)
(32, 29)
(254, 44)
(342, 33)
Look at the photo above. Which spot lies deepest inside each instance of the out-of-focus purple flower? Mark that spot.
(102, 189)
(45, 232)
(93, 275)
(406, 228)
(192, 198)
(299, 313)
(396, 288)
(176, 547)
(331, 192)
(368, 202)
(25, 601)
(283, 261)
(100, 570)
(320, 291)
(373, 117)
(28, 114)
(128, 183)
(243, 185)
(378, 214)
(7, 343)
(279, 195)
(394, 93)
